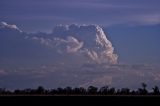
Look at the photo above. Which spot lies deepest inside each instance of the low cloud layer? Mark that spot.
(60, 75)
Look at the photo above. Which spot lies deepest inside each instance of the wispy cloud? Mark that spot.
(145, 19)
(104, 12)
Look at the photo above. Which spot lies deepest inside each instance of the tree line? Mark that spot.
(91, 90)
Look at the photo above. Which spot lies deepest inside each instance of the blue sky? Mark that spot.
(136, 44)
(34, 15)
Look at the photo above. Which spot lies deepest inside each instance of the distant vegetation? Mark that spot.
(91, 90)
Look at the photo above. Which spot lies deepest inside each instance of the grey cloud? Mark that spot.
(120, 75)
(3, 72)
(100, 81)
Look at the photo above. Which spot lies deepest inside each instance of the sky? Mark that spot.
(123, 19)
(132, 26)
(33, 15)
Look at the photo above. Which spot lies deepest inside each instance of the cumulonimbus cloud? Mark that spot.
(87, 40)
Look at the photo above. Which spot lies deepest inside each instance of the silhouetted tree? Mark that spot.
(17, 91)
(40, 90)
(80, 90)
(111, 91)
(125, 91)
(118, 91)
(143, 91)
(92, 90)
(27, 91)
(156, 90)
(68, 90)
(76, 91)
(2, 90)
(53, 92)
(60, 91)
(104, 90)
(133, 92)
(144, 85)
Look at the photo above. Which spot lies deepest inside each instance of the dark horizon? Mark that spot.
(90, 91)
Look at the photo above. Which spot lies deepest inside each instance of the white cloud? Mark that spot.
(73, 45)
(93, 55)
(4, 24)
(108, 48)
(69, 45)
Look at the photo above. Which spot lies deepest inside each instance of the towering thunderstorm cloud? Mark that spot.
(87, 43)
(87, 40)
(71, 55)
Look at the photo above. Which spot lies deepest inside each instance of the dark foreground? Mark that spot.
(81, 99)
